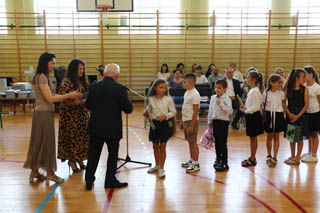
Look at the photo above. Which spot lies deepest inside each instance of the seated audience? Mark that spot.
(164, 72)
(236, 73)
(176, 82)
(200, 79)
(214, 76)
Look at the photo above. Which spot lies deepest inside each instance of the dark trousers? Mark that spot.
(220, 134)
(237, 117)
(95, 148)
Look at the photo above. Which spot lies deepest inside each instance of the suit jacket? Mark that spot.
(106, 100)
(236, 87)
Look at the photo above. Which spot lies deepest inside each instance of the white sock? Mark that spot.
(195, 162)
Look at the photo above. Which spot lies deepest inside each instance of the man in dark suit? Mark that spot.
(234, 89)
(106, 100)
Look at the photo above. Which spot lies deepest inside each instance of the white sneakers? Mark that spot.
(193, 168)
(155, 169)
(308, 158)
(162, 173)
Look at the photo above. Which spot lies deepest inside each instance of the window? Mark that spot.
(3, 17)
(309, 18)
(59, 17)
(144, 18)
(228, 16)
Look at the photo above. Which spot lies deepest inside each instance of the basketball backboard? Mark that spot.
(118, 5)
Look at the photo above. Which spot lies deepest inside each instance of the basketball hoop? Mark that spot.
(104, 8)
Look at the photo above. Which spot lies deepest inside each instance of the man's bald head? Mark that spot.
(112, 70)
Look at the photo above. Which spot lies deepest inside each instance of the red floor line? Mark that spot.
(295, 203)
(247, 193)
(109, 198)
(280, 190)
(107, 205)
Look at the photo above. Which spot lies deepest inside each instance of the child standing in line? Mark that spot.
(219, 110)
(274, 102)
(298, 103)
(313, 113)
(254, 124)
(160, 109)
(189, 123)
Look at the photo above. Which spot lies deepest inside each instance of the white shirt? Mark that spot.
(274, 100)
(220, 111)
(164, 76)
(164, 106)
(230, 90)
(253, 101)
(238, 75)
(191, 97)
(201, 79)
(314, 91)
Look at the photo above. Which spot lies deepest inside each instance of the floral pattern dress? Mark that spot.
(73, 140)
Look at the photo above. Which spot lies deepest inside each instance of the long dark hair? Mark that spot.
(273, 78)
(311, 70)
(291, 83)
(259, 79)
(72, 74)
(164, 65)
(208, 73)
(42, 68)
(152, 90)
(180, 64)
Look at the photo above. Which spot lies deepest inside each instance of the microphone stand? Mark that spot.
(128, 159)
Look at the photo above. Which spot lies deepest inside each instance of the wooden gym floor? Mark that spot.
(260, 189)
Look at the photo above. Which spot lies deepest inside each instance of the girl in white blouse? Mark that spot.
(160, 110)
(313, 113)
(254, 125)
(274, 103)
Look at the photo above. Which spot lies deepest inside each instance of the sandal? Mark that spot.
(288, 159)
(293, 161)
(248, 162)
(269, 157)
(273, 162)
(36, 177)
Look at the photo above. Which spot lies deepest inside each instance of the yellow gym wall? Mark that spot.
(141, 53)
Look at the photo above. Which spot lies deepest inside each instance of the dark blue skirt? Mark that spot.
(254, 124)
(162, 132)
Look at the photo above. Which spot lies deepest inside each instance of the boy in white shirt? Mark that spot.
(189, 123)
(219, 110)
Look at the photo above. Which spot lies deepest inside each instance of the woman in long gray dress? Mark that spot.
(42, 147)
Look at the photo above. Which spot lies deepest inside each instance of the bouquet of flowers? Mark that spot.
(207, 139)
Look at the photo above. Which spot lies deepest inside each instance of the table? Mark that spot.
(14, 101)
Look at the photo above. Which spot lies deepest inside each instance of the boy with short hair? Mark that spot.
(219, 110)
(189, 123)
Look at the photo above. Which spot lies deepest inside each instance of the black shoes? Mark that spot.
(216, 162)
(115, 184)
(235, 126)
(73, 166)
(89, 186)
(220, 166)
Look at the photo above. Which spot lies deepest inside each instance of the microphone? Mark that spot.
(100, 68)
(131, 90)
